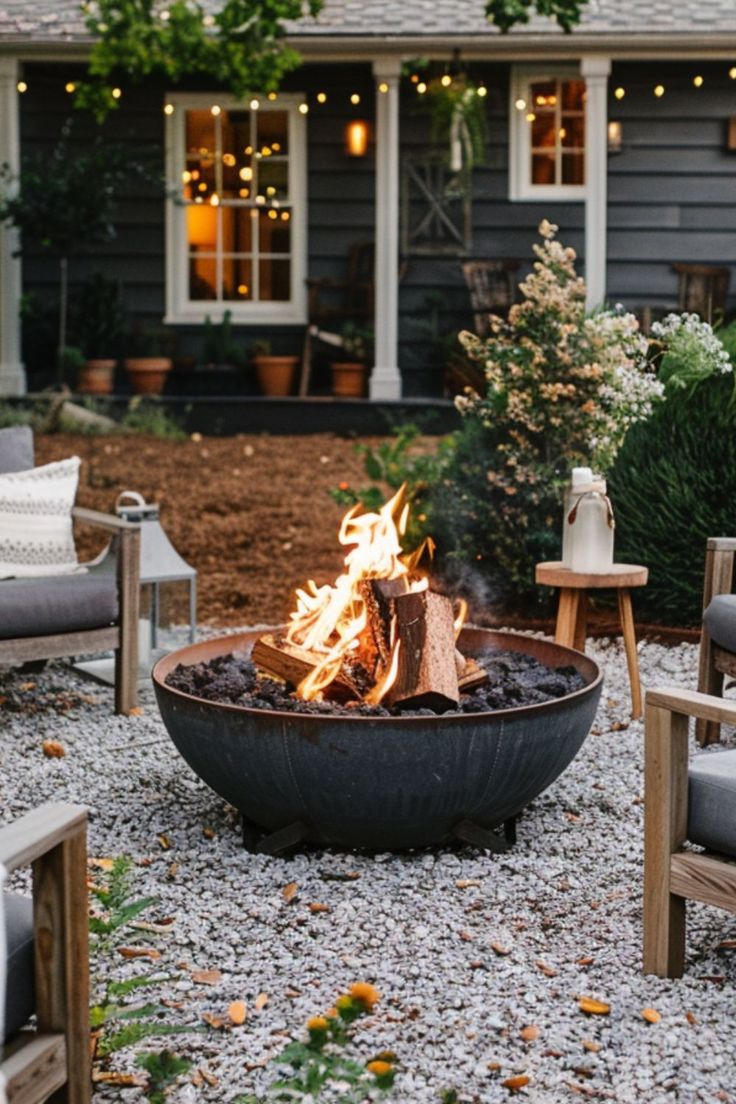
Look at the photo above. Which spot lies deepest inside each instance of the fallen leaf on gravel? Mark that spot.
(495, 1066)
(197, 1079)
(466, 936)
(587, 960)
(237, 1012)
(583, 1071)
(651, 1015)
(593, 1007)
(289, 891)
(498, 949)
(593, 1047)
(516, 1083)
(261, 1001)
(529, 1033)
(339, 875)
(619, 726)
(548, 971)
(162, 928)
(109, 1077)
(691, 1018)
(165, 841)
(209, 833)
(209, 1078)
(726, 945)
(173, 1003)
(136, 711)
(550, 1052)
(52, 749)
(207, 977)
(173, 870)
(292, 994)
(573, 817)
(316, 907)
(139, 952)
(466, 883)
(27, 686)
(214, 1021)
(102, 864)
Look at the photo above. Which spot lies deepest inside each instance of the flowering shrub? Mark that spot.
(690, 351)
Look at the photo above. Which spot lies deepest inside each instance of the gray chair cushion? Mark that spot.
(16, 449)
(19, 996)
(720, 621)
(712, 802)
(57, 604)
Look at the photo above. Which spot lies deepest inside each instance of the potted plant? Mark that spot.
(98, 324)
(220, 349)
(150, 359)
(275, 373)
(349, 374)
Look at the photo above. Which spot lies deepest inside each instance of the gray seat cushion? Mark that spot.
(16, 449)
(712, 802)
(19, 996)
(57, 604)
(720, 621)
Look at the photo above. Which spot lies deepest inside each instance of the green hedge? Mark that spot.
(674, 485)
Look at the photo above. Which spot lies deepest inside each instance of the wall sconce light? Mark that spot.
(731, 135)
(356, 138)
(615, 136)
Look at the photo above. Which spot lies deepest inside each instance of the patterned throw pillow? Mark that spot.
(36, 520)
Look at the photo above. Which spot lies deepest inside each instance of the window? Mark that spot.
(236, 230)
(547, 135)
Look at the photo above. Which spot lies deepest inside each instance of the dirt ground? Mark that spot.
(253, 514)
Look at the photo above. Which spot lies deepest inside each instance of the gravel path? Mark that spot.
(568, 896)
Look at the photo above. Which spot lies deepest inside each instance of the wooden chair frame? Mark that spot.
(715, 662)
(53, 1062)
(673, 876)
(122, 637)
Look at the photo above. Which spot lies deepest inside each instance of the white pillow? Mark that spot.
(36, 520)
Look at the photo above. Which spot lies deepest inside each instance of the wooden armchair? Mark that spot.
(702, 289)
(718, 639)
(492, 288)
(54, 1058)
(696, 804)
(66, 615)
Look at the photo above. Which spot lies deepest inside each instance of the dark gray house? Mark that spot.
(620, 133)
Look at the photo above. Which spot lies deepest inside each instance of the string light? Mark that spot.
(520, 105)
(215, 199)
(186, 176)
(168, 109)
(421, 88)
(383, 87)
(620, 93)
(272, 96)
(116, 93)
(242, 289)
(445, 80)
(732, 72)
(414, 78)
(303, 108)
(70, 87)
(698, 81)
(255, 104)
(481, 90)
(22, 86)
(659, 91)
(273, 214)
(321, 97)
(215, 110)
(530, 116)
(355, 98)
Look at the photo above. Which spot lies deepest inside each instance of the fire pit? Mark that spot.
(374, 719)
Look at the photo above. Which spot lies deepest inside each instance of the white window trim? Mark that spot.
(521, 188)
(180, 309)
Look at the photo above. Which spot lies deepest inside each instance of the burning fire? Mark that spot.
(332, 621)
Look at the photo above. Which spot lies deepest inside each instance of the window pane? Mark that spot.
(274, 231)
(543, 94)
(573, 168)
(236, 151)
(543, 130)
(573, 95)
(237, 282)
(202, 227)
(236, 229)
(199, 171)
(273, 132)
(273, 178)
(572, 131)
(275, 280)
(543, 168)
(202, 278)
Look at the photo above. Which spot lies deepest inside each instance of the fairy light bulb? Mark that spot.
(272, 96)
(255, 104)
(445, 80)
(304, 108)
(70, 87)
(321, 97)
(215, 110)
(481, 90)
(732, 72)
(698, 81)
(383, 87)
(355, 98)
(659, 91)
(520, 105)
(620, 93)
(421, 88)
(22, 87)
(116, 93)
(168, 109)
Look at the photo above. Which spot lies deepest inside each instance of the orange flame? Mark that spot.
(330, 619)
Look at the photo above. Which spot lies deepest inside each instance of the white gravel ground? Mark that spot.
(452, 1009)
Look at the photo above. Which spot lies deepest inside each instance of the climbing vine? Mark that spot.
(507, 13)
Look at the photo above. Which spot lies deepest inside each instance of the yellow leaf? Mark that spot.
(261, 1001)
(289, 891)
(237, 1012)
(498, 949)
(52, 749)
(651, 1015)
(548, 971)
(206, 977)
(110, 1077)
(593, 1007)
(593, 1047)
(139, 952)
(466, 883)
(214, 1021)
(102, 864)
(165, 841)
(516, 1083)
(316, 907)
(529, 1033)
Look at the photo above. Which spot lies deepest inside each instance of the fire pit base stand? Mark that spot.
(259, 842)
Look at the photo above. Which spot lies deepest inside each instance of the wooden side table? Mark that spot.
(572, 612)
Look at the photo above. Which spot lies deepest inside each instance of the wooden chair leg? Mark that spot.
(581, 622)
(665, 827)
(126, 655)
(626, 616)
(710, 681)
(567, 617)
(62, 958)
(717, 579)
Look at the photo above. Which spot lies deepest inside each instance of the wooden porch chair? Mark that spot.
(67, 615)
(492, 287)
(718, 638)
(696, 804)
(47, 959)
(702, 289)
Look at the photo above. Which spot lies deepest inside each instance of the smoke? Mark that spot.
(460, 580)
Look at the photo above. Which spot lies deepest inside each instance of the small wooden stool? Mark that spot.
(572, 612)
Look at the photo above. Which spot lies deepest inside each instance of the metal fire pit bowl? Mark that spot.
(380, 783)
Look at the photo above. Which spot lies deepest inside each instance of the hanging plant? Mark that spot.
(240, 46)
(458, 120)
(507, 13)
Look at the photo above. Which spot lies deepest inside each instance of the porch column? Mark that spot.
(386, 378)
(12, 373)
(596, 71)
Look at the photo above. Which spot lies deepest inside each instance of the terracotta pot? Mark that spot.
(276, 374)
(348, 379)
(96, 378)
(148, 374)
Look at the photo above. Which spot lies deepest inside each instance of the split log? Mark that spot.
(472, 676)
(292, 664)
(379, 596)
(426, 675)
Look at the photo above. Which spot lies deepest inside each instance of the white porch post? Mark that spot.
(386, 378)
(596, 71)
(12, 373)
